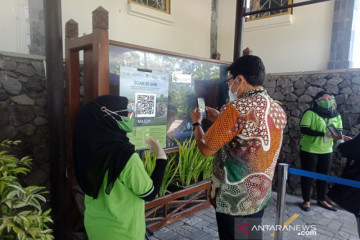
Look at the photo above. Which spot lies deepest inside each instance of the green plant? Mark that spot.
(149, 161)
(21, 214)
(208, 167)
(187, 166)
(278, 102)
(192, 163)
(170, 173)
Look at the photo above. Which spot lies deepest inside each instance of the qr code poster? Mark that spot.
(145, 105)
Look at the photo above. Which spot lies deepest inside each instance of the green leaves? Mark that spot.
(185, 167)
(149, 161)
(192, 163)
(170, 174)
(21, 215)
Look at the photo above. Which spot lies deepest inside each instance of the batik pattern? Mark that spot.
(247, 137)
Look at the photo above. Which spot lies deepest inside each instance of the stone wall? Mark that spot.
(296, 91)
(23, 113)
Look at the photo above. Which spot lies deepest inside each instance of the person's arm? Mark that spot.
(350, 149)
(306, 130)
(212, 114)
(136, 179)
(199, 134)
(158, 173)
(306, 123)
(222, 131)
(157, 178)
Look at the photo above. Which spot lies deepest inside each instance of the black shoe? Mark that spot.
(306, 209)
(332, 208)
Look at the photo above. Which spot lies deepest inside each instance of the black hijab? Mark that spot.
(322, 112)
(99, 144)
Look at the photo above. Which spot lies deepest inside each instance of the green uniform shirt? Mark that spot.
(317, 144)
(121, 214)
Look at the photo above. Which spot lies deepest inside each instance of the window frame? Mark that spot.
(289, 11)
(167, 6)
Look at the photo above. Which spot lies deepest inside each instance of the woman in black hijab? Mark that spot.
(317, 145)
(110, 172)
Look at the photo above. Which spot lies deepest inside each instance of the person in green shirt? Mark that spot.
(317, 145)
(111, 173)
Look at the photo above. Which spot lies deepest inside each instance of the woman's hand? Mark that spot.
(196, 115)
(212, 114)
(155, 146)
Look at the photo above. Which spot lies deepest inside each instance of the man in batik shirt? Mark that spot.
(246, 138)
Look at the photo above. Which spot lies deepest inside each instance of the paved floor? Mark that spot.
(340, 225)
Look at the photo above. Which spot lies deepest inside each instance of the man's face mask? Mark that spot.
(126, 123)
(233, 95)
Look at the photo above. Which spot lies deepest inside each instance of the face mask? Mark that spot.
(233, 96)
(127, 124)
(325, 104)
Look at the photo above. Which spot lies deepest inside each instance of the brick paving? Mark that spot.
(340, 225)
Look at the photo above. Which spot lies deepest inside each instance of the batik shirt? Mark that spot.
(247, 137)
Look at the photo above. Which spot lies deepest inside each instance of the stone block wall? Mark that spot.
(23, 113)
(296, 91)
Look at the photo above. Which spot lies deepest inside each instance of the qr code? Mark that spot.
(145, 105)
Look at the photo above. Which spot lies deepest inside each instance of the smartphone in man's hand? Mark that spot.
(201, 106)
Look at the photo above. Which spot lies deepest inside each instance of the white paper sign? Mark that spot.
(181, 78)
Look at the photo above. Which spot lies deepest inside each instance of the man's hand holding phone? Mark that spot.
(196, 116)
(212, 114)
(201, 106)
(206, 112)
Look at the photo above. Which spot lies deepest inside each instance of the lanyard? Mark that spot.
(326, 121)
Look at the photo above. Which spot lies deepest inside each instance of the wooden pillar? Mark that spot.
(96, 83)
(100, 23)
(72, 73)
(96, 58)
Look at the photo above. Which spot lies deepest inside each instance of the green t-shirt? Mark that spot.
(318, 144)
(120, 214)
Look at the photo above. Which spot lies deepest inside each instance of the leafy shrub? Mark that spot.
(21, 215)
